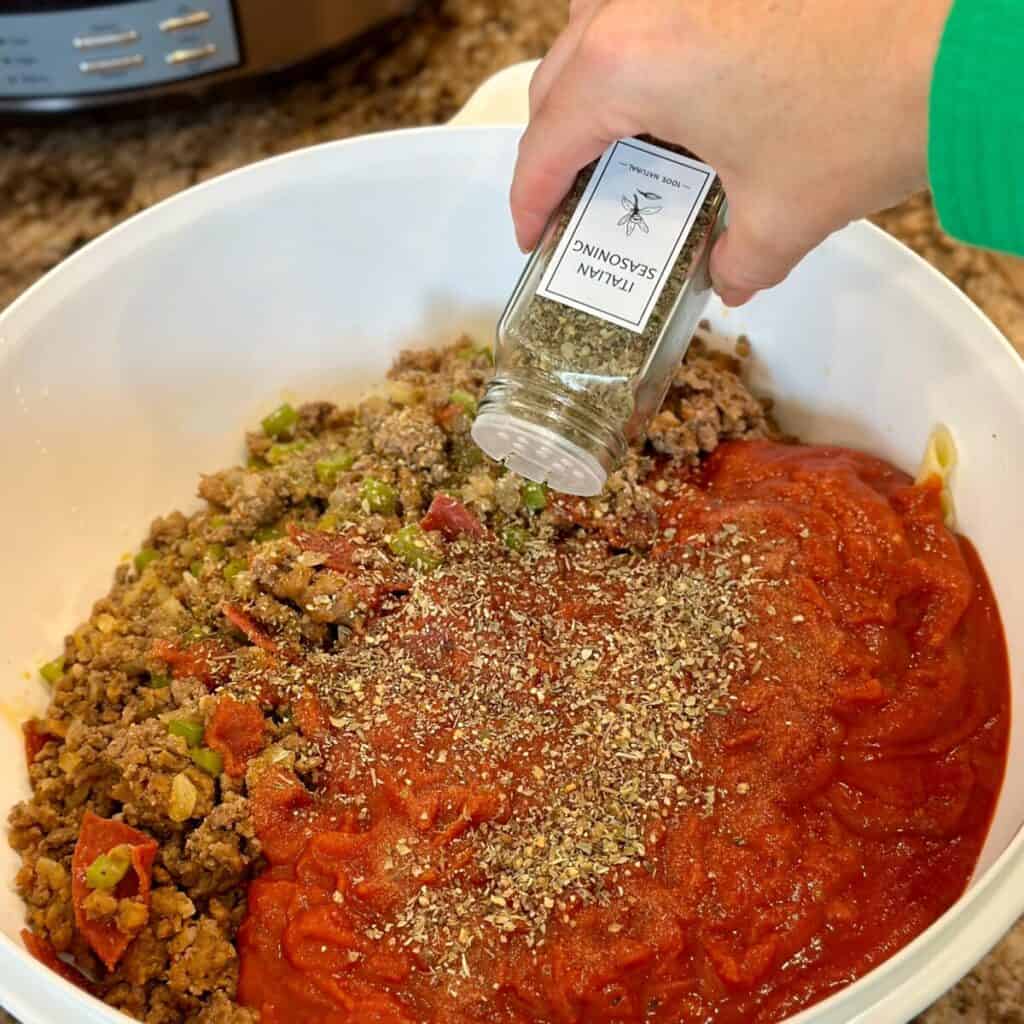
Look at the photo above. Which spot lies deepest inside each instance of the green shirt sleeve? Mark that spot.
(976, 126)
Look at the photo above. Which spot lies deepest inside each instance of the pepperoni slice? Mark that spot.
(99, 836)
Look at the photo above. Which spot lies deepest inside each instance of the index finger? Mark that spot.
(561, 52)
(573, 127)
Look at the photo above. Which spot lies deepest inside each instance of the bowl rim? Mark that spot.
(893, 991)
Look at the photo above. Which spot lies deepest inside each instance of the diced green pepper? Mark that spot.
(378, 496)
(469, 352)
(401, 392)
(329, 468)
(277, 453)
(216, 552)
(515, 537)
(256, 462)
(53, 670)
(144, 557)
(281, 422)
(218, 521)
(265, 533)
(328, 521)
(465, 454)
(158, 681)
(191, 732)
(107, 870)
(195, 633)
(234, 567)
(196, 568)
(534, 496)
(464, 400)
(410, 544)
(209, 760)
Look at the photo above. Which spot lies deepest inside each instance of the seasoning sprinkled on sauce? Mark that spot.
(578, 783)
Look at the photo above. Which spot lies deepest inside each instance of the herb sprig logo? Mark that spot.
(636, 214)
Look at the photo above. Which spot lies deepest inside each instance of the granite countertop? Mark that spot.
(65, 182)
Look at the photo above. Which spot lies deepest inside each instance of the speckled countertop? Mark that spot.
(63, 183)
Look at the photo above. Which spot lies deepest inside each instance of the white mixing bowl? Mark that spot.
(137, 363)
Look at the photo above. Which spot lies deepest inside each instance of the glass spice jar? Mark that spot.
(602, 316)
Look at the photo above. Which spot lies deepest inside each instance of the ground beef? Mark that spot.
(45, 885)
(203, 960)
(411, 436)
(707, 403)
(212, 605)
(220, 1009)
(147, 758)
(216, 856)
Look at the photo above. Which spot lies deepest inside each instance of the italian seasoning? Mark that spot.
(601, 316)
(604, 704)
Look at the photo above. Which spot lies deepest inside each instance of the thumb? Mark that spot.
(748, 258)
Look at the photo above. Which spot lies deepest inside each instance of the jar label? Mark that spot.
(627, 230)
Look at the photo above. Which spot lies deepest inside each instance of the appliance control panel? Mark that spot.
(115, 46)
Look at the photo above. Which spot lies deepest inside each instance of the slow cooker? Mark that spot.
(64, 54)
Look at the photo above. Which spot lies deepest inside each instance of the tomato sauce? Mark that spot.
(849, 787)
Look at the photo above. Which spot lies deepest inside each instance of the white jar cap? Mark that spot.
(539, 454)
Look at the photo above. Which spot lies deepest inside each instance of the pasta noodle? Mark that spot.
(940, 460)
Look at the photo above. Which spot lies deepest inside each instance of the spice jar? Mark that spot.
(601, 316)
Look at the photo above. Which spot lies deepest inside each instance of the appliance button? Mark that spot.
(184, 21)
(94, 67)
(105, 39)
(193, 54)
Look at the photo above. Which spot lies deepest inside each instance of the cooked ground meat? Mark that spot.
(708, 403)
(412, 436)
(136, 732)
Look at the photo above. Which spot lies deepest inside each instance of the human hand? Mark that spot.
(813, 113)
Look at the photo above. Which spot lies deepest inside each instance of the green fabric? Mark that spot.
(976, 129)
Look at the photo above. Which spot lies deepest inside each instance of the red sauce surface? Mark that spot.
(857, 773)
(235, 731)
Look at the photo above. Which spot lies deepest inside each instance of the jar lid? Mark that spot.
(539, 454)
